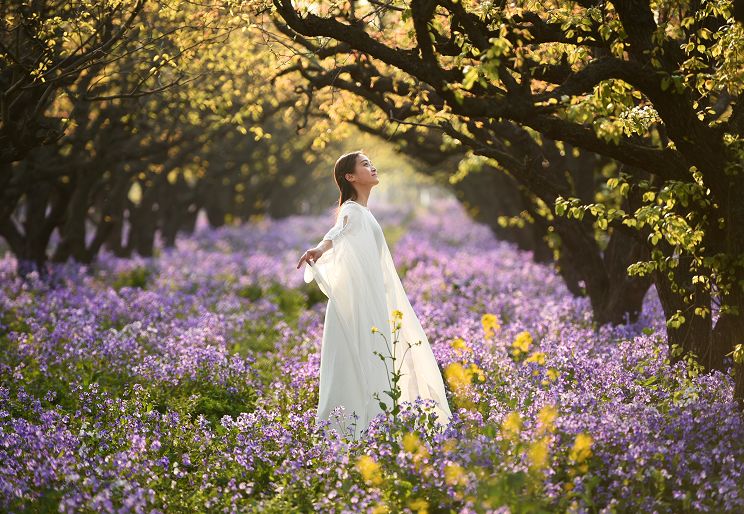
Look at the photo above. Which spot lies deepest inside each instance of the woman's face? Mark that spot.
(365, 174)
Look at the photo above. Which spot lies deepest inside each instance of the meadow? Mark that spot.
(187, 382)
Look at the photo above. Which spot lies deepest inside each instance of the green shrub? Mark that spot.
(136, 277)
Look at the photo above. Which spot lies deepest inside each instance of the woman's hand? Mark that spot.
(311, 254)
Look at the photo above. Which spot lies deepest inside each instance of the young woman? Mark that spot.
(352, 265)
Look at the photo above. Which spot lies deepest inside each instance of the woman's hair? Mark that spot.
(345, 164)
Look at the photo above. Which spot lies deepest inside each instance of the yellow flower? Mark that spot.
(397, 315)
(511, 425)
(375, 329)
(552, 373)
(412, 444)
(475, 370)
(369, 469)
(454, 474)
(582, 448)
(490, 324)
(457, 377)
(459, 345)
(449, 445)
(546, 417)
(538, 454)
(521, 343)
(538, 357)
(380, 508)
(419, 505)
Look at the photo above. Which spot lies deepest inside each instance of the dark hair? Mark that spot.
(345, 164)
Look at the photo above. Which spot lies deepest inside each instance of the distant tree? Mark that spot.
(157, 127)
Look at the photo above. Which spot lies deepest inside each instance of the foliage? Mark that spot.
(655, 88)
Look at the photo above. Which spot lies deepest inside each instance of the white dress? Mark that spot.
(358, 276)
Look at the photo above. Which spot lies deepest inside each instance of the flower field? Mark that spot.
(188, 383)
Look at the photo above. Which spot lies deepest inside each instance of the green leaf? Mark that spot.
(471, 75)
(676, 320)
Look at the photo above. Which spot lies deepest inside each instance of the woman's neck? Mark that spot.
(362, 198)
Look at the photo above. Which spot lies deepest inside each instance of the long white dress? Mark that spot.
(358, 276)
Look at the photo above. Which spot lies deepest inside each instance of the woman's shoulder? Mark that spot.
(351, 204)
(349, 209)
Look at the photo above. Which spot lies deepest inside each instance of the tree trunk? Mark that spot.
(489, 194)
(175, 210)
(73, 231)
(615, 297)
(729, 330)
(695, 335)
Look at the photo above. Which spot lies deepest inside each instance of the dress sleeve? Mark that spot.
(349, 236)
(344, 224)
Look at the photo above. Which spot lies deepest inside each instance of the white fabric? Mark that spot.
(358, 276)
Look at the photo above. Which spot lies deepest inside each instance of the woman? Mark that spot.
(353, 267)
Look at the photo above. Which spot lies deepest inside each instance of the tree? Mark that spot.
(163, 124)
(657, 90)
(45, 47)
(590, 261)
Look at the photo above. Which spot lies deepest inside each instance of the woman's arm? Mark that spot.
(325, 245)
(315, 253)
